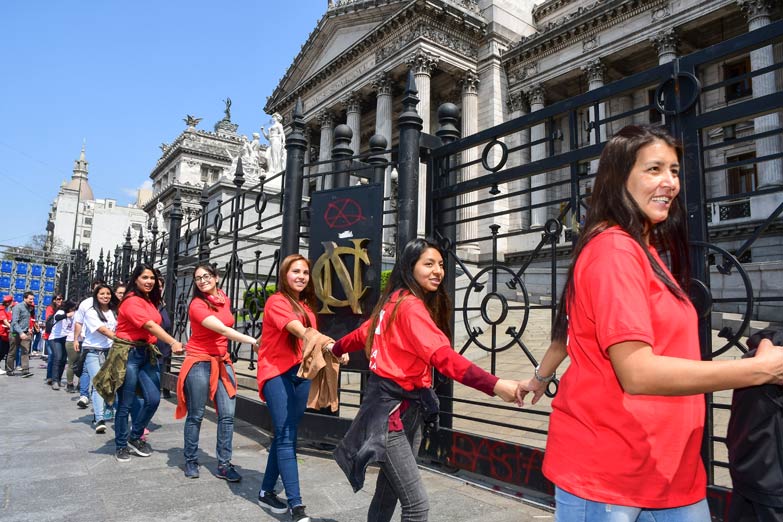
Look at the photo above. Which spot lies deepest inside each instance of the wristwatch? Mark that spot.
(545, 380)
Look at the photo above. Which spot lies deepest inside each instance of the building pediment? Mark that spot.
(355, 36)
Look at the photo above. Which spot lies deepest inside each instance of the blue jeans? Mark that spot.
(142, 374)
(286, 397)
(197, 395)
(84, 384)
(60, 356)
(92, 364)
(49, 358)
(399, 477)
(570, 508)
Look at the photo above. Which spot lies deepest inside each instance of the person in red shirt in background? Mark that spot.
(208, 373)
(626, 428)
(287, 314)
(5, 328)
(407, 335)
(138, 328)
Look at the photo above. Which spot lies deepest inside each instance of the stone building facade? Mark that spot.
(78, 220)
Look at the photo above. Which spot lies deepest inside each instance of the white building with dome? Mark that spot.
(78, 220)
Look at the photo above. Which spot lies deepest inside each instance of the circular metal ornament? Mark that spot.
(503, 157)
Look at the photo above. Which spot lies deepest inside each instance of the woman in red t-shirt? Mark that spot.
(138, 328)
(208, 373)
(407, 335)
(626, 427)
(287, 314)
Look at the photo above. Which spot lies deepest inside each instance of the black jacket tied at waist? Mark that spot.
(755, 436)
(365, 441)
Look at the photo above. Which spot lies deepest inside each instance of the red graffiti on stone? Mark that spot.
(343, 213)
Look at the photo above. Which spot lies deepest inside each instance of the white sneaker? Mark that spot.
(2, 372)
(83, 402)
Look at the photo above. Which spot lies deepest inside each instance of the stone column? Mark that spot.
(666, 43)
(595, 71)
(519, 219)
(535, 96)
(326, 119)
(422, 64)
(353, 118)
(307, 159)
(383, 126)
(769, 172)
(468, 229)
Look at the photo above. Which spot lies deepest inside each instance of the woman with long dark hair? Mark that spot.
(626, 428)
(287, 315)
(406, 337)
(63, 327)
(208, 373)
(134, 354)
(100, 321)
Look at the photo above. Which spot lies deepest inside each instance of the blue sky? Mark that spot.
(121, 75)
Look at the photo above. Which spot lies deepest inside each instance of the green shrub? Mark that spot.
(253, 300)
(384, 278)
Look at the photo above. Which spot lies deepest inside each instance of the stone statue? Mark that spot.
(159, 215)
(275, 153)
(227, 112)
(191, 121)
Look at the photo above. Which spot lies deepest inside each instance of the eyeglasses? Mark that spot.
(206, 278)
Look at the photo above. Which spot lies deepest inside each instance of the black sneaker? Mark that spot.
(270, 502)
(10, 374)
(25, 375)
(140, 448)
(228, 473)
(191, 469)
(122, 455)
(100, 427)
(70, 388)
(298, 514)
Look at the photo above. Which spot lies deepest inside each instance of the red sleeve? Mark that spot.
(199, 311)
(279, 312)
(454, 366)
(615, 283)
(352, 342)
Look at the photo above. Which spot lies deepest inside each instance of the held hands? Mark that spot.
(344, 358)
(256, 345)
(177, 348)
(505, 389)
(533, 385)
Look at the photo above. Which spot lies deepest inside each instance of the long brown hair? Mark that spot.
(197, 293)
(437, 303)
(612, 205)
(306, 296)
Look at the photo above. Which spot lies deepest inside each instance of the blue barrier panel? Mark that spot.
(18, 297)
(50, 272)
(36, 270)
(5, 281)
(6, 267)
(35, 285)
(47, 300)
(20, 284)
(48, 286)
(22, 268)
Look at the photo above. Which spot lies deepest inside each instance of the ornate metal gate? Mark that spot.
(508, 201)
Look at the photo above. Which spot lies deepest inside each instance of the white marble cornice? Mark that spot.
(546, 8)
(582, 23)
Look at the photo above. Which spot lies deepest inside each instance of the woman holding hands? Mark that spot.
(208, 373)
(626, 428)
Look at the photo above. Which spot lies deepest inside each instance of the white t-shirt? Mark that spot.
(92, 337)
(81, 311)
(62, 327)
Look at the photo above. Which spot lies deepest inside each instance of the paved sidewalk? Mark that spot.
(53, 467)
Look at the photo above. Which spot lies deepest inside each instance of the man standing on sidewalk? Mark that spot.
(21, 335)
